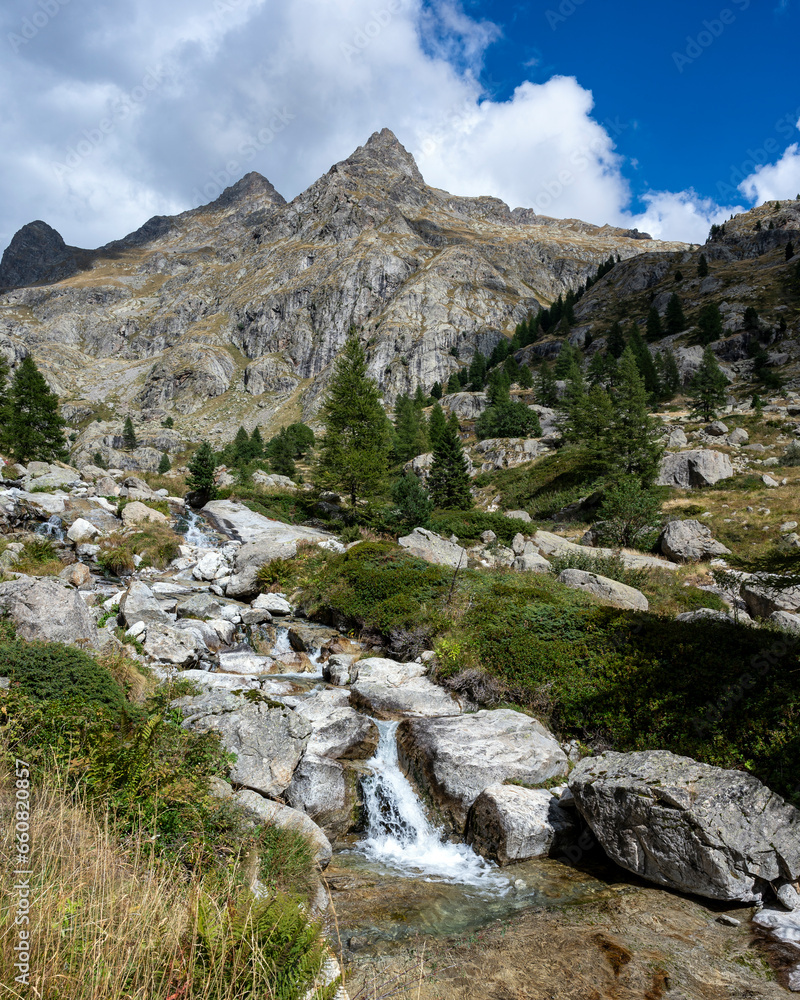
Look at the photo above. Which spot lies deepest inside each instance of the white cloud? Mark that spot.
(775, 181)
(112, 114)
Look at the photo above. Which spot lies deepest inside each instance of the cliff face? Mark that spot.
(234, 312)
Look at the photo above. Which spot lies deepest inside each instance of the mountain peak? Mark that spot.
(248, 190)
(385, 150)
(36, 253)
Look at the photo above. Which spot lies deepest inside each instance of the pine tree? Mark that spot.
(354, 454)
(477, 372)
(708, 386)
(241, 448)
(256, 444)
(789, 252)
(596, 372)
(675, 320)
(128, 435)
(410, 428)
(525, 377)
(201, 474)
(164, 465)
(545, 386)
(281, 454)
(634, 440)
(436, 425)
(412, 501)
(565, 361)
(669, 378)
(511, 367)
(644, 360)
(654, 329)
(436, 390)
(628, 508)
(709, 323)
(504, 418)
(616, 341)
(702, 266)
(449, 479)
(453, 383)
(33, 425)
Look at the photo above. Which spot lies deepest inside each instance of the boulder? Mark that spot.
(690, 826)
(607, 591)
(508, 824)
(174, 646)
(690, 541)
(48, 610)
(518, 515)
(433, 548)
(200, 605)
(137, 513)
(205, 633)
(763, 598)
(139, 604)
(716, 428)
(275, 814)
(245, 662)
(738, 436)
(77, 575)
(54, 479)
(273, 603)
(676, 437)
(466, 405)
(212, 566)
(786, 621)
(327, 792)
(82, 531)
(697, 468)
(551, 544)
(388, 689)
(452, 760)
(268, 738)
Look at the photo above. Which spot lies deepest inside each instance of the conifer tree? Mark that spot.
(565, 361)
(654, 329)
(634, 440)
(164, 465)
(281, 454)
(702, 266)
(675, 320)
(669, 379)
(477, 372)
(33, 424)
(201, 474)
(616, 341)
(410, 427)
(436, 390)
(412, 501)
(256, 444)
(436, 425)
(354, 454)
(644, 360)
(128, 435)
(596, 372)
(709, 323)
(525, 377)
(449, 478)
(241, 447)
(707, 388)
(453, 383)
(789, 252)
(545, 386)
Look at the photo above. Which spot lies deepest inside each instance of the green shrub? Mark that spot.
(791, 457)
(611, 566)
(469, 525)
(276, 572)
(50, 671)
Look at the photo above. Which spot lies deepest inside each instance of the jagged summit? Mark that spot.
(37, 253)
(249, 192)
(384, 150)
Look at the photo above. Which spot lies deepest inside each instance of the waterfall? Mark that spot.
(399, 834)
(195, 530)
(52, 528)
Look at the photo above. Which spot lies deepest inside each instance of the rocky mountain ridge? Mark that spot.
(232, 313)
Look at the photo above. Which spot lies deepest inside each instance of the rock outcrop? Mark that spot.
(690, 541)
(691, 469)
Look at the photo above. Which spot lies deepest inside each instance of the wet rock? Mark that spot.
(267, 738)
(690, 541)
(273, 603)
(48, 610)
(433, 548)
(203, 631)
(689, 469)
(452, 760)
(388, 689)
(212, 566)
(327, 792)
(689, 826)
(604, 590)
(244, 662)
(508, 824)
(274, 814)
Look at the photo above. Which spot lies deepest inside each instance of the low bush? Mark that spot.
(469, 525)
(610, 566)
(543, 487)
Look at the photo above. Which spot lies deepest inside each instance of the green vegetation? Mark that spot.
(201, 474)
(708, 386)
(32, 426)
(128, 435)
(449, 481)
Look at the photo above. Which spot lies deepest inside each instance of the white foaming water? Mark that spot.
(399, 834)
(282, 644)
(197, 532)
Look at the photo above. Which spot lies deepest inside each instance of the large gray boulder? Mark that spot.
(551, 544)
(327, 791)
(786, 621)
(508, 824)
(268, 738)
(49, 610)
(388, 689)
(689, 826)
(275, 814)
(692, 469)
(690, 541)
(764, 597)
(452, 760)
(604, 590)
(433, 548)
(173, 646)
(139, 604)
(338, 731)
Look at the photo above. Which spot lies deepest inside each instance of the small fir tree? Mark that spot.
(164, 465)
(201, 474)
(709, 323)
(128, 435)
(436, 390)
(413, 505)
(616, 341)
(628, 509)
(33, 429)
(436, 425)
(449, 478)
(545, 386)
(702, 266)
(707, 388)
(453, 383)
(654, 329)
(634, 439)
(675, 319)
(525, 377)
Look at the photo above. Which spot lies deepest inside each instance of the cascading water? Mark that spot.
(196, 530)
(52, 528)
(399, 834)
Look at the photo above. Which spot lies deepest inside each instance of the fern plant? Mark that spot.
(114, 765)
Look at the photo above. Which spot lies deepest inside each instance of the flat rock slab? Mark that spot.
(48, 610)
(452, 760)
(552, 544)
(433, 548)
(244, 525)
(338, 731)
(509, 824)
(389, 690)
(604, 590)
(689, 826)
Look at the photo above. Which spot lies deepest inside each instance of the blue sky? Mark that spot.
(664, 116)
